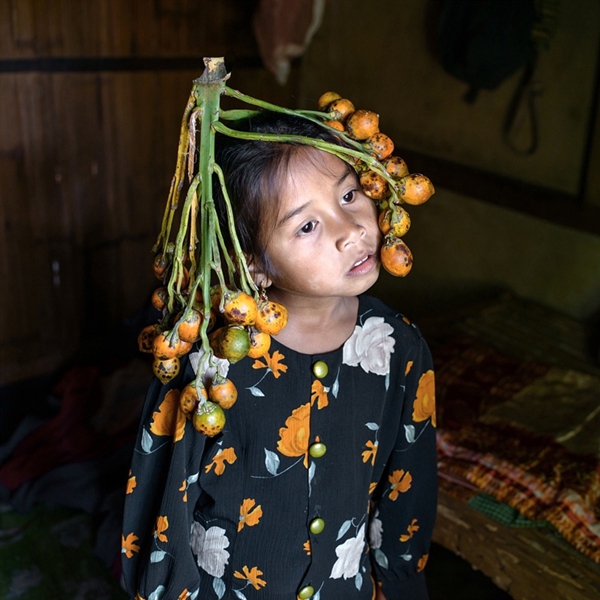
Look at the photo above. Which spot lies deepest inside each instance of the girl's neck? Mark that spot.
(316, 326)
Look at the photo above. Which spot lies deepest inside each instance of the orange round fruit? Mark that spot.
(362, 124)
(189, 328)
(189, 398)
(384, 221)
(165, 345)
(395, 166)
(260, 343)
(166, 370)
(146, 338)
(160, 265)
(272, 317)
(326, 99)
(160, 298)
(335, 125)
(234, 343)
(396, 256)
(417, 188)
(183, 348)
(379, 145)
(209, 418)
(214, 339)
(340, 109)
(399, 221)
(223, 392)
(374, 185)
(240, 309)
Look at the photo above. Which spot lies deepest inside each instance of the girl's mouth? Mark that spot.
(363, 266)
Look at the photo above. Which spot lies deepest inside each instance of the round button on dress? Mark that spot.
(306, 592)
(317, 450)
(320, 369)
(316, 526)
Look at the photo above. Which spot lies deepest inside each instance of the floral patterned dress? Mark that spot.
(322, 484)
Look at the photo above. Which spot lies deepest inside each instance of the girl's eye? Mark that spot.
(308, 228)
(348, 197)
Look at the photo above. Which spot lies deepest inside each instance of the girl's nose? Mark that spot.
(349, 231)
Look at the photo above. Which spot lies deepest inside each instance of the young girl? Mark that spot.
(322, 484)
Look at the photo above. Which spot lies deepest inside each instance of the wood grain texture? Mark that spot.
(86, 160)
(528, 563)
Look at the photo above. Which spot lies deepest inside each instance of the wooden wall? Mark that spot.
(386, 59)
(91, 97)
(498, 220)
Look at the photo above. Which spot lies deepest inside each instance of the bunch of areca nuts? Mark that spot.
(362, 126)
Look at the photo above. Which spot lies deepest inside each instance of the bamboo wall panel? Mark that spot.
(86, 161)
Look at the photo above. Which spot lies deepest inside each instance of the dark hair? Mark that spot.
(254, 174)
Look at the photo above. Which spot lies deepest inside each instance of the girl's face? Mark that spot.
(326, 239)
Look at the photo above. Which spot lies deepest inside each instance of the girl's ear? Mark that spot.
(261, 279)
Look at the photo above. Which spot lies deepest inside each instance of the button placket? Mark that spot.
(317, 450)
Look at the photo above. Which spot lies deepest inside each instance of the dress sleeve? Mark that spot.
(403, 514)
(162, 491)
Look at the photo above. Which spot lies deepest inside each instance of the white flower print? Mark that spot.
(199, 360)
(375, 532)
(349, 553)
(370, 346)
(209, 548)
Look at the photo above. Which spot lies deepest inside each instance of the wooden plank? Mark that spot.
(528, 563)
(63, 28)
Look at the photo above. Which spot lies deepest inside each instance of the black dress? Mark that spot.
(318, 486)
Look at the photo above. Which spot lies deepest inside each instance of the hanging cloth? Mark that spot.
(283, 30)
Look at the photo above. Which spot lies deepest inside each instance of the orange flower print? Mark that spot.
(227, 455)
(185, 594)
(409, 366)
(372, 487)
(411, 530)
(131, 483)
(162, 524)
(422, 562)
(401, 482)
(319, 394)
(183, 489)
(128, 545)
(307, 547)
(424, 404)
(138, 596)
(249, 513)
(168, 419)
(273, 363)
(294, 437)
(252, 576)
(371, 452)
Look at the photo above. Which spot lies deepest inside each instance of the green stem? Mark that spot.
(237, 114)
(224, 250)
(177, 271)
(176, 182)
(312, 115)
(346, 154)
(243, 265)
(208, 90)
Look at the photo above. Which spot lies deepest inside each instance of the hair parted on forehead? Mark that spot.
(255, 175)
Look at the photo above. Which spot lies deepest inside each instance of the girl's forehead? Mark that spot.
(314, 162)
